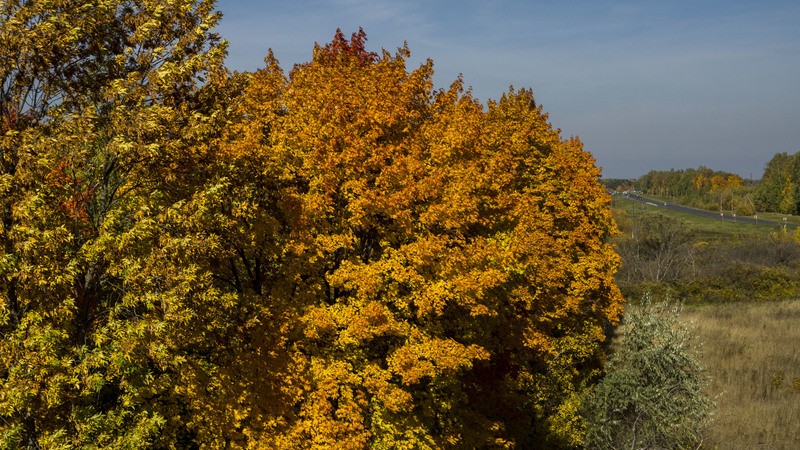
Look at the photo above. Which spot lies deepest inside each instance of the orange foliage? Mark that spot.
(440, 269)
(78, 193)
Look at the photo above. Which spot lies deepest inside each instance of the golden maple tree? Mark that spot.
(438, 271)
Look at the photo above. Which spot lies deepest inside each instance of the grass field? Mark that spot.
(753, 358)
(706, 228)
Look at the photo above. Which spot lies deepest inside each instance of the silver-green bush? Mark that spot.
(651, 396)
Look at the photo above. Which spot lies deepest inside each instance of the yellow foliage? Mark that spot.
(340, 257)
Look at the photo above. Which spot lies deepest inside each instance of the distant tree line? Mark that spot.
(702, 187)
(618, 184)
(777, 191)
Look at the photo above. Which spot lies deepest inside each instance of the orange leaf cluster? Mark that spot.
(442, 266)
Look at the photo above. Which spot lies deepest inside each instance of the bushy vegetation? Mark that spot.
(667, 256)
(653, 392)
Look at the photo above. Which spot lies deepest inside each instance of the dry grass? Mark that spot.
(752, 352)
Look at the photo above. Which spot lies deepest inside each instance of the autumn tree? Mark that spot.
(100, 114)
(338, 257)
(429, 272)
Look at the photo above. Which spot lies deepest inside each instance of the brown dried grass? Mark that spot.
(752, 353)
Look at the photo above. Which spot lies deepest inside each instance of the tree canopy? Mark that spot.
(100, 129)
(341, 256)
(778, 190)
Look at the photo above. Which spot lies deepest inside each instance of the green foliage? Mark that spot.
(652, 393)
(702, 188)
(779, 190)
(99, 108)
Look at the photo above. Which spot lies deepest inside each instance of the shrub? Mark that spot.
(652, 393)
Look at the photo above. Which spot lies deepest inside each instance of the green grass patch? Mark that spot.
(792, 221)
(704, 227)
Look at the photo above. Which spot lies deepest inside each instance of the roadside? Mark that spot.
(657, 203)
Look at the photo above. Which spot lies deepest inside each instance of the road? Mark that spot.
(699, 212)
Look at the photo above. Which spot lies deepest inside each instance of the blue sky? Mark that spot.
(645, 84)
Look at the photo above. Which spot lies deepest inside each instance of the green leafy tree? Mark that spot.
(778, 190)
(652, 393)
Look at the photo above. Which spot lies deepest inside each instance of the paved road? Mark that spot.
(699, 212)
